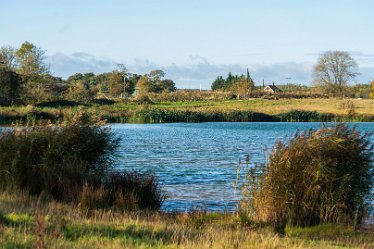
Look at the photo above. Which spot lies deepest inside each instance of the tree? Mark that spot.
(334, 70)
(79, 90)
(8, 57)
(250, 81)
(143, 85)
(167, 85)
(153, 83)
(39, 88)
(218, 83)
(9, 86)
(372, 90)
(124, 73)
(240, 86)
(30, 60)
(115, 83)
(156, 75)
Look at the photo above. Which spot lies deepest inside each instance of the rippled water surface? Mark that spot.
(196, 162)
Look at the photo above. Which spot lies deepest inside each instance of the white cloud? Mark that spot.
(198, 71)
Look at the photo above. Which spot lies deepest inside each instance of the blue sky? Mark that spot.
(193, 41)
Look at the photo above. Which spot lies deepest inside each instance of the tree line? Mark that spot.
(25, 78)
(240, 84)
(332, 74)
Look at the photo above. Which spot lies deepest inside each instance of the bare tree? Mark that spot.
(334, 70)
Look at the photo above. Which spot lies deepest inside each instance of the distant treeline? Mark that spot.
(243, 86)
(25, 79)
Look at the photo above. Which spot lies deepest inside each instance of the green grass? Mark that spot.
(31, 224)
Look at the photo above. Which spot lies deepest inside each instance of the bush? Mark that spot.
(58, 103)
(305, 116)
(322, 176)
(55, 160)
(103, 101)
(126, 191)
(143, 99)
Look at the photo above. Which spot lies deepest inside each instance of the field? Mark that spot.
(323, 110)
(274, 107)
(28, 223)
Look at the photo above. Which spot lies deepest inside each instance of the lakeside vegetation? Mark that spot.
(206, 110)
(49, 205)
(28, 223)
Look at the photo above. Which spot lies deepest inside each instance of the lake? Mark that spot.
(196, 162)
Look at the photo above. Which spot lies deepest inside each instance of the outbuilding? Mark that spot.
(272, 89)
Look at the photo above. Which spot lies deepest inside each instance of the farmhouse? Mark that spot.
(272, 89)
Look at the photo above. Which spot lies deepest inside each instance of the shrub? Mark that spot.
(322, 176)
(348, 106)
(103, 101)
(55, 160)
(126, 191)
(143, 99)
(10, 83)
(134, 191)
(58, 103)
(305, 116)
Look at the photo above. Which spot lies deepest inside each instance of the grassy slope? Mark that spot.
(61, 226)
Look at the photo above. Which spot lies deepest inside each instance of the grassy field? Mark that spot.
(27, 223)
(203, 111)
(274, 107)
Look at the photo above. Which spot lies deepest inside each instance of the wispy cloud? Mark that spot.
(197, 72)
(65, 65)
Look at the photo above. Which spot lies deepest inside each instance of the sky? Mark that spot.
(193, 41)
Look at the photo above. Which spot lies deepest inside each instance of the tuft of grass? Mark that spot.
(124, 191)
(318, 177)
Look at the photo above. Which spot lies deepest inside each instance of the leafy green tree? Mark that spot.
(8, 57)
(153, 83)
(156, 75)
(40, 88)
(167, 85)
(144, 85)
(30, 60)
(241, 87)
(115, 83)
(334, 70)
(234, 83)
(131, 83)
(250, 81)
(80, 91)
(218, 84)
(372, 90)
(10, 83)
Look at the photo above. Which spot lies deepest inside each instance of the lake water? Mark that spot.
(196, 162)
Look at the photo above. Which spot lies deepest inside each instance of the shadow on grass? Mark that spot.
(131, 232)
(336, 234)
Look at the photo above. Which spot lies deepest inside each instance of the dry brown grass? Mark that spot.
(53, 225)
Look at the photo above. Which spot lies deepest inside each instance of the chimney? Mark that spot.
(273, 83)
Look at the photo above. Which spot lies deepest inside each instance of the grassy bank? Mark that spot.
(250, 110)
(27, 223)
